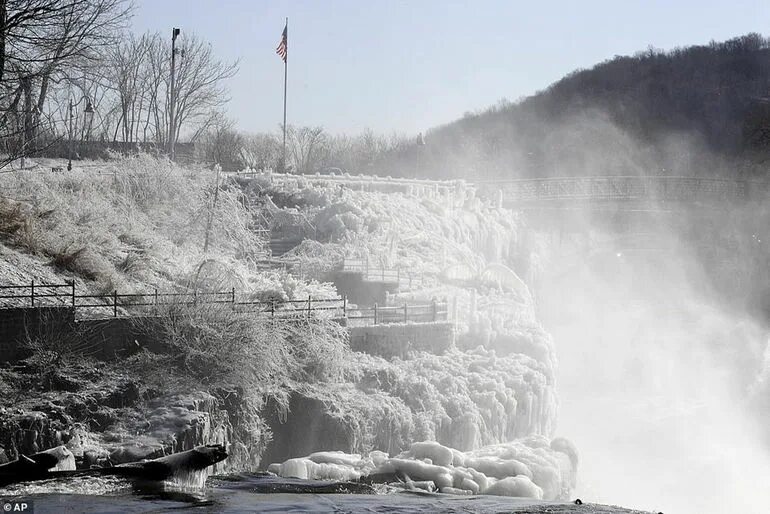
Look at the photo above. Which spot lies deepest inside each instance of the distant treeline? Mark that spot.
(693, 111)
(72, 70)
(700, 110)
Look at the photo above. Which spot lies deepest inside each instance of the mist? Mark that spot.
(658, 311)
(660, 368)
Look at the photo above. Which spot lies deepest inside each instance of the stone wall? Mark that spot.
(360, 291)
(115, 338)
(397, 339)
(106, 339)
(20, 324)
(307, 427)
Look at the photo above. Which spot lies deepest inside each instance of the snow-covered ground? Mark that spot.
(491, 398)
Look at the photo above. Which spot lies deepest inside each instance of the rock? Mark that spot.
(65, 459)
(38, 467)
(125, 394)
(103, 418)
(133, 453)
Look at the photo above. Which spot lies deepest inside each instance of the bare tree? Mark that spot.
(358, 153)
(261, 151)
(308, 147)
(222, 144)
(200, 88)
(45, 42)
(127, 74)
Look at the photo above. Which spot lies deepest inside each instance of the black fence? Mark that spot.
(78, 149)
(374, 273)
(115, 303)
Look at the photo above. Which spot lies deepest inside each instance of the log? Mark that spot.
(38, 466)
(34, 467)
(198, 458)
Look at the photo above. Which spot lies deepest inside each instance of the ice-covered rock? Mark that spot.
(533, 467)
(65, 459)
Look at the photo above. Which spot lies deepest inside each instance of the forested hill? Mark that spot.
(690, 111)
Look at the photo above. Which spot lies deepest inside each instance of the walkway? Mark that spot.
(648, 189)
(115, 304)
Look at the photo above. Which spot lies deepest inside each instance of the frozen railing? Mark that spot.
(378, 273)
(115, 303)
(648, 188)
(374, 182)
(406, 313)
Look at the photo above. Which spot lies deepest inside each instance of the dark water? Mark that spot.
(246, 493)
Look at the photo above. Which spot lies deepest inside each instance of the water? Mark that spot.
(245, 493)
(666, 367)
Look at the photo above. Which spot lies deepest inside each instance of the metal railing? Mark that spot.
(116, 303)
(38, 293)
(406, 313)
(375, 273)
(650, 188)
(348, 178)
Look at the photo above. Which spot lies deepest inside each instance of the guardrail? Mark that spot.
(652, 188)
(348, 177)
(115, 303)
(373, 273)
(415, 313)
(426, 187)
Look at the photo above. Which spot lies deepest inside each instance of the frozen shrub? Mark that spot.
(223, 348)
(131, 220)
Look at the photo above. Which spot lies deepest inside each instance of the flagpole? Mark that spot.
(285, 76)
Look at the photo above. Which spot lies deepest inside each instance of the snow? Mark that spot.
(494, 391)
(520, 486)
(438, 454)
(485, 411)
(329, 465)
(531, 467)
(66, 459)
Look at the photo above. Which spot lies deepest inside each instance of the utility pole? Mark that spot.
(26, 140)
(69, 163)
(172, 95)
(3, 34)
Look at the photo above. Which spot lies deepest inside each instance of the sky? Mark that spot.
(405, 66)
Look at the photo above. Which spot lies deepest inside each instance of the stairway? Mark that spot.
(279, 247)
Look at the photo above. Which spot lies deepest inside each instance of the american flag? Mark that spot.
(283, 46)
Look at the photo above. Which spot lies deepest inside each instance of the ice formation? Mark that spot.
(486, 410)
(531, 467)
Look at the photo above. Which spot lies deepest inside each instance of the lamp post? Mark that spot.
(172, 95)
(88, 117)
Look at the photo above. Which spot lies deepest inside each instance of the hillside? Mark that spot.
(255, 382)
(692, 111)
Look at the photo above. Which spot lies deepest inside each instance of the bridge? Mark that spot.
(656, 192)
(622, 192)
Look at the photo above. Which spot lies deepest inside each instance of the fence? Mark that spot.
(382, 274)
(647, 188)
(415, 313)
(450, 190)
(79, 149)
(112, 304)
